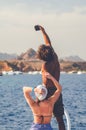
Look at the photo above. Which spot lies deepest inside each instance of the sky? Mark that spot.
(63, 20)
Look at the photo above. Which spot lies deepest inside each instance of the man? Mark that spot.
(51, 64)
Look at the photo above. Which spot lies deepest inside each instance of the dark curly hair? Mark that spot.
(45, 53)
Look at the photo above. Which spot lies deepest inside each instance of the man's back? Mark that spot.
(53, 68)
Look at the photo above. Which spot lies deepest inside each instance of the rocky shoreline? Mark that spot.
(28, 62)
(35, 65)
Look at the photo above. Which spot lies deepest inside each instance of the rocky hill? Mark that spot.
(30, 54)
(5, 56)
(73, 59)
(4, 66)
(68, 66)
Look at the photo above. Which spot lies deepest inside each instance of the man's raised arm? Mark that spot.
(45, 36)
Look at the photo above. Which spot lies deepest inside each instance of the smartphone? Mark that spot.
(37, 28)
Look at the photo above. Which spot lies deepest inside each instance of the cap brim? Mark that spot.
(41, 96)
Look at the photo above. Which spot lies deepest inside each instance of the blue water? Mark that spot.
(15, 114)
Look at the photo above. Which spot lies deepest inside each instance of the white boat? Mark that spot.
(11, 72)
(34, 72)
(63, 72)
(4, 72)
(17, 72)
(79, 72)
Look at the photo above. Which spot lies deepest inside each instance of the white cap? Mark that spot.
(41, 96)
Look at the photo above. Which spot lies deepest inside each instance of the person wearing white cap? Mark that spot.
(43, 108)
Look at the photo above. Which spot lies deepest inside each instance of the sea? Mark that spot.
(15, 114)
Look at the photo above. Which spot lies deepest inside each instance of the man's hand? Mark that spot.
(48, 75)
(41, 28)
